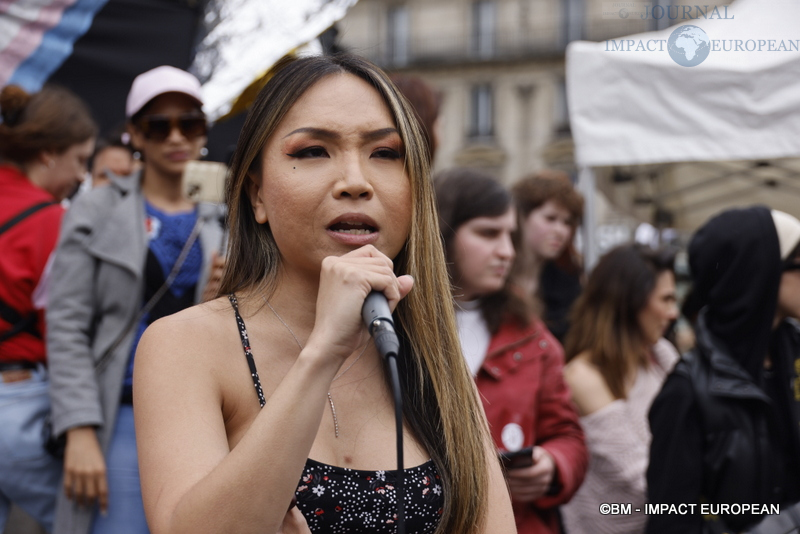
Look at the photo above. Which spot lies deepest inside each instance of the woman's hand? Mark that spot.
(345, 281)
(530, 483)
(85, 469)
(214, 277)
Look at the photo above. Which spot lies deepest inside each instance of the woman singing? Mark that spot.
(274, 393)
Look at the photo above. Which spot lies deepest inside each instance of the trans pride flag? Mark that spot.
(96, 48)
(37, 36)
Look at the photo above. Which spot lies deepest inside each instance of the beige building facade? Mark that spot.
(499, 67)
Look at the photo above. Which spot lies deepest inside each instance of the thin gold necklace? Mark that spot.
(337, 377)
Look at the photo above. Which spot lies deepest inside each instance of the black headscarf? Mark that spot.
(735, 262)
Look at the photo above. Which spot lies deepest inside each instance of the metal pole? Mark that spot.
(587, 186)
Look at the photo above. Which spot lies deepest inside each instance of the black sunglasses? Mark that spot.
(158, 127)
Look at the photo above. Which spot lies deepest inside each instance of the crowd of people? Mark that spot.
(169, 365)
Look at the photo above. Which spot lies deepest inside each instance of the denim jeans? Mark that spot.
(125, 508)
(29, 476)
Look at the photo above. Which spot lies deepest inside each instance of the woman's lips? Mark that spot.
(353, 220)
(178, 156)
(354, 229)
(357, 238)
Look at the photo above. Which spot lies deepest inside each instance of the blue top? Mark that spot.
(167, 234)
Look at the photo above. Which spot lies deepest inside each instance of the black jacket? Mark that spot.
(718, 437)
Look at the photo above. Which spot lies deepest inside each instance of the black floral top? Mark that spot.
(337, 499)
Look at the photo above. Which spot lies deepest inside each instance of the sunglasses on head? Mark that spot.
(158, 127)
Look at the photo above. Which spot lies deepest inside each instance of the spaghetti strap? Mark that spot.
(247, 352)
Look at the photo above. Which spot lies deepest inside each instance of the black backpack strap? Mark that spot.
(18, 323)
(23, 215)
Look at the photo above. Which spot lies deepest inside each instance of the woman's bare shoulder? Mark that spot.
(198, 330)
(581, 371)
(589, 389)
(200, 316)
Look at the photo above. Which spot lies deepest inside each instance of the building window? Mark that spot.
(398, 35)
(481, 112)
(483, 25)
(561, 112)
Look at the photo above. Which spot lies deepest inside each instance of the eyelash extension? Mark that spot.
(305, 152)
(397, 154)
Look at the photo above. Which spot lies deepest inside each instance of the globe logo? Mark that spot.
(623, 13)
(688, 45)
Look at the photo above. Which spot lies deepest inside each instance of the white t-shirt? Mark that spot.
(473, 333)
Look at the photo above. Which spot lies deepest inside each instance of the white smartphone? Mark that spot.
(204, 181)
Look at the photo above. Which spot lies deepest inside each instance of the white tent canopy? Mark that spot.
(641, 107)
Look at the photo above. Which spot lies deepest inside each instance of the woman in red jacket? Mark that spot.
(516, 361)
(45, 140)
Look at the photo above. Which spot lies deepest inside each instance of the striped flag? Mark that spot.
(36, 37)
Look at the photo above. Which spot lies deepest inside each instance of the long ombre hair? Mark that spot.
(440, 401)
(605, 318)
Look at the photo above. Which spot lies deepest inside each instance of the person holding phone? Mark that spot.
(516, 361)
(273, 397)
(129, 253)
(617, 361)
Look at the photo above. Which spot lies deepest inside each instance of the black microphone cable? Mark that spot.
(394, 377)
(380, 324)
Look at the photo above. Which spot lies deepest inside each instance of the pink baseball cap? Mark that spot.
(156, 82)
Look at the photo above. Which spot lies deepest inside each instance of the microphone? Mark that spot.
(378, 320)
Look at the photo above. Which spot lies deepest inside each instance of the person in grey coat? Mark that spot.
(128, 254)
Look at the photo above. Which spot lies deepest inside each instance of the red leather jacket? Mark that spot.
(521, 383)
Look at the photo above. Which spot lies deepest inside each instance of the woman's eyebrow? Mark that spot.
(316, 132)
(379, 134)
(328, 134)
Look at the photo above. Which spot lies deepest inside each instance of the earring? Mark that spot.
(203, 152)
(137, 155)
